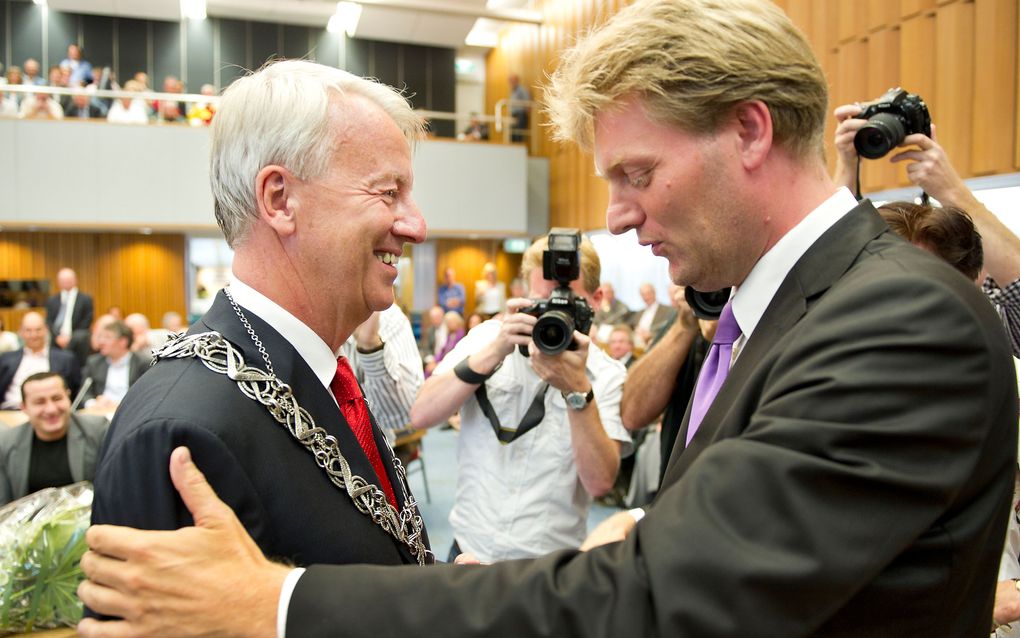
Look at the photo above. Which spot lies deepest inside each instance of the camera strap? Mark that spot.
(534, 415)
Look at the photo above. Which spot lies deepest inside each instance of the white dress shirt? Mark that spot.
(525, 498)
(753, 296)
(67, 299)
(31, 363)
(117, 378)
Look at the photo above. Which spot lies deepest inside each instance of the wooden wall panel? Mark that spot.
(851, 19)
(917, 72)
(882, 74)
(467, 256)
(882, 14)
(863, 46)
(995, 86)
(139, 273)
(910, 8)
(953, 102)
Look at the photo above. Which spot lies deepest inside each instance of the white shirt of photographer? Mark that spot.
(524, 499)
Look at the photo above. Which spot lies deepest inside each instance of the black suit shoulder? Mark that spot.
(272, 482)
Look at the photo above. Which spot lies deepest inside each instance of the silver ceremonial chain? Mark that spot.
(220, 356)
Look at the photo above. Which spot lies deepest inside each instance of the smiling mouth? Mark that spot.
(388, 258)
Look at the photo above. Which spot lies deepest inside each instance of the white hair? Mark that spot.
(280, 115)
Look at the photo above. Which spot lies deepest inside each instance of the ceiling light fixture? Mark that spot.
(193, 9)
(345, 19)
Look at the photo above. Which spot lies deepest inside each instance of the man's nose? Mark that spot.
(411, 223)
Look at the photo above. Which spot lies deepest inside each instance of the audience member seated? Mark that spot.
(102, 80)
(9, 341)
(40, 106)
(170, 110)
(35, 356)
(451, 294)
(31, 73)
(621, 344)
(490, 294)
(114, 368)
(56, 447)
(9, 105)
(201, 113)
(129, 110)
(173, 322)
(474, 321)
(141, 339)
(610, 312)
(433, 334)
(14, 78)
(476, 130)
(81, 107)
(455, 331)
(80, 68)
(651, 319)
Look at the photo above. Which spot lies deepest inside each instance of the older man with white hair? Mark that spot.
(311, 175)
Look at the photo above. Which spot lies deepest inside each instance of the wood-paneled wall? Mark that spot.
(139, 273)
(961, 56)
(467, 256)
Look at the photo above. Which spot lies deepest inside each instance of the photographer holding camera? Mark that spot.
(929, 167)
(540, 432)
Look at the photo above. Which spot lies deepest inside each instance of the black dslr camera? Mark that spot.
(563, 312)
(891, 118)
(707, 305)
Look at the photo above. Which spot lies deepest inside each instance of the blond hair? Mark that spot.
(591, 267)
(690, 62)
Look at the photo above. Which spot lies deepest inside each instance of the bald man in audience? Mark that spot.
(35, 356)
(69, 313)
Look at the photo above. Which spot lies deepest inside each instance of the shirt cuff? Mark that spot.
(637, 514)
(286, 592)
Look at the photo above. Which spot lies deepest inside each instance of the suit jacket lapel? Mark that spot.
(309, 392)
(813, 274)
(76, 449)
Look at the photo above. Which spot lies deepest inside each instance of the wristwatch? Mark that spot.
(578, 400)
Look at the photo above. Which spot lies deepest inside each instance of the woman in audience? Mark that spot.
(129, 110)
(490, 294)
(455, 329)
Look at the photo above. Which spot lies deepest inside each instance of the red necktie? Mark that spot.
(352, 404)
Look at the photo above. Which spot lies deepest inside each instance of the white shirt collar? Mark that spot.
(755, 293)
(309, 345)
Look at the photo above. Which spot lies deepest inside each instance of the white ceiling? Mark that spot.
(378, 22)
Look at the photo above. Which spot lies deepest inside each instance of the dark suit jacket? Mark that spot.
(662, 315)
(84, 435)
(97, 367)
(81, 314)
(852, 478)
(60, 361)
(283, 498)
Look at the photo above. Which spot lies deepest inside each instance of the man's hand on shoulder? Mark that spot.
(149, 578)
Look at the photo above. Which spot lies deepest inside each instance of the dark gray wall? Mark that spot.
(216, 50)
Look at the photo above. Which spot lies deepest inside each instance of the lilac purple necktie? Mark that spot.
(715, 368)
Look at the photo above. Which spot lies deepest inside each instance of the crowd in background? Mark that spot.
(84, 80)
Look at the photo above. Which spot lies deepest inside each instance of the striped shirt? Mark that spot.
(1007, 304)
(392, 376)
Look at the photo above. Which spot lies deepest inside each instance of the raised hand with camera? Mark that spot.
(931, 169)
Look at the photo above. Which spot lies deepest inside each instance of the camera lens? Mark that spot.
(881, 134)
(706, 305)
(554, 332)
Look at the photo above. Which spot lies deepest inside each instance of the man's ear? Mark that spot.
(274, 196)
(754, 126)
